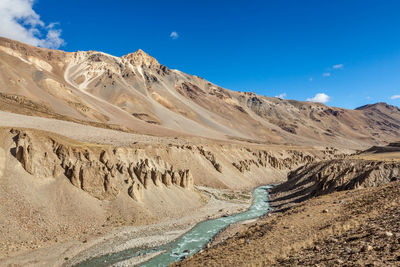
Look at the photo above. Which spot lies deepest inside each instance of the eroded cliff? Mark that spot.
(321, 178)
(101, 171)
(105, 171)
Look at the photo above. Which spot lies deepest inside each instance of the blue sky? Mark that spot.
(348, 50)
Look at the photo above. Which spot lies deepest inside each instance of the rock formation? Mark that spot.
(105, 171)
(101, 172)
(211, 158)
(320, 178)
(263, 158)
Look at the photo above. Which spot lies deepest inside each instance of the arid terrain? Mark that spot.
(357, 227)
(101, 153)
(136, 93)
(331, 213)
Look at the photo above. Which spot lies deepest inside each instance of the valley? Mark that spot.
(101, 154)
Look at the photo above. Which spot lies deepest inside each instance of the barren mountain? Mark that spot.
(102, 153)
(139, 94)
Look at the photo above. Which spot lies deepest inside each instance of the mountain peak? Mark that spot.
(141, 58)
(140, 51)
(377, 105)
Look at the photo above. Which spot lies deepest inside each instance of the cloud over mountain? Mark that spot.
(320, 97)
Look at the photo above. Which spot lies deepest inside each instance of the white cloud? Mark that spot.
(338, 66)
(326, 74)
(174, 35)
(395, 97)
(283, 95)
(20, 22)
(320, 97)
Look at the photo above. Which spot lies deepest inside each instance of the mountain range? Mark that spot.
(138, 94)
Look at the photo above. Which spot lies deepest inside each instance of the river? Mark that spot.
(189, 243)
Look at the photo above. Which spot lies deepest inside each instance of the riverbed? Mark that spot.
(189, 243)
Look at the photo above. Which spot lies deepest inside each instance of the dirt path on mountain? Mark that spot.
(2, 161)
(84, 133)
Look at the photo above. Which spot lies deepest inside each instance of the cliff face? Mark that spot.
(101, 172)
(329, 176)
(264, 159)
(338, 175)
(105, 171)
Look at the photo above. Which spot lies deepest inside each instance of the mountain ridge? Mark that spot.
(137, 92)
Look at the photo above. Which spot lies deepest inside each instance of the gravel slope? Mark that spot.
(358, 228)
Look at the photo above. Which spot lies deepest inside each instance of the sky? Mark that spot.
(343, 53)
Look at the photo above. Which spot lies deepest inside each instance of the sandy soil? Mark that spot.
(97, 135)
(122, 238)
(386, 156)
(77, 131)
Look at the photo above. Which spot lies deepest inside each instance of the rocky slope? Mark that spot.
(330, 212)
(391, 147)
(357, 228)
(135, 91)
(321, 178)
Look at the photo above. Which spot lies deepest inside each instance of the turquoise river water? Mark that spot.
(189, 243)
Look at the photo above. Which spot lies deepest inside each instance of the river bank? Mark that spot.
(186, 245)
(219, 203)
(360, 227)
